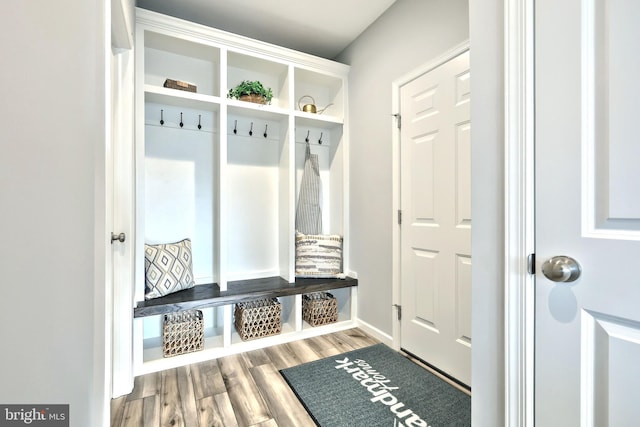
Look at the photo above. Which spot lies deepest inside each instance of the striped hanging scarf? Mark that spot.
(308, 212)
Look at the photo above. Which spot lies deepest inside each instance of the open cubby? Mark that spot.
(175, 58)
(273, 75)
(255, 194)
(326, 90)
(325, 141)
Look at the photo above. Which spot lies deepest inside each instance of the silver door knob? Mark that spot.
(561, 269)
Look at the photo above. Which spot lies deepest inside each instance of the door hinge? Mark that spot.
(399, 310)
(531, 264)
(398, 120)
(399, 216)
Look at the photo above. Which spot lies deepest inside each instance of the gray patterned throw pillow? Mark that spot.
(168, 268)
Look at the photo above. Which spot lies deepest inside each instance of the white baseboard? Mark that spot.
(375, 332)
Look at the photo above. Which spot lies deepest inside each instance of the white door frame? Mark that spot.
(519, 212)
(395, 170)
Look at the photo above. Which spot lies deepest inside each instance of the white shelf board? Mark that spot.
(262, 111)
(317, 120)
(181, 98)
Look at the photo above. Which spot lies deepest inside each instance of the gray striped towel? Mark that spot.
(308, 211)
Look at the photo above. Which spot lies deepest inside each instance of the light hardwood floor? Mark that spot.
(240, 390)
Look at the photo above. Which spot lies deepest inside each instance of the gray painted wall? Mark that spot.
(487, 204)
(410, 34)
(52, 135)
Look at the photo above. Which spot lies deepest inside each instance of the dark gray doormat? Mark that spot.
(374, 387)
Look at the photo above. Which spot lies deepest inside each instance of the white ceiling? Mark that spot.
(321, 27)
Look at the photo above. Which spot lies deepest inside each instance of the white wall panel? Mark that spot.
(426, 286)
(463, 174)
(463, 299)
(623, 102)
(423, 187)
(610, 375)
(611, 90)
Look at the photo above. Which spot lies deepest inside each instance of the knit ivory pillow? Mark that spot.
(319, 256)
(168, 268)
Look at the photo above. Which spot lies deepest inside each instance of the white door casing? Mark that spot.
(519, 237)
(435, 261)
(587, 340)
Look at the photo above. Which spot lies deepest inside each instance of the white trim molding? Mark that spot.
(519, 212)
(375, 332)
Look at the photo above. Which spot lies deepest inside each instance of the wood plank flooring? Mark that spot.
(241, 390)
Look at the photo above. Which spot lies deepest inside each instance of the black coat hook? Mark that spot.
(199, 121)
(307, 138)
(265, 131)
(235, 127)
(161, 117)
(181, 123)
(320, 140)
(251, 130)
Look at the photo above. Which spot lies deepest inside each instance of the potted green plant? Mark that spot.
(252, 91)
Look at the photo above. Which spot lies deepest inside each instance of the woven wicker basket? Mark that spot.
(319, 308)
(256, 99)
(259, 318)
(182, 332)
(177, 84)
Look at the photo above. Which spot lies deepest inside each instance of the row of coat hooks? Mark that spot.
(235, 127)
(181, 123)
(235, 132)
(319, 139)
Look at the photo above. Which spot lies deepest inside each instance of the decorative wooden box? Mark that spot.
(177, 84)
(182, 332)
(319, 308)
(259, 318)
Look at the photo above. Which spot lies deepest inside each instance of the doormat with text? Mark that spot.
(376, 386)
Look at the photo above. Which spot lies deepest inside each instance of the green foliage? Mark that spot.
(248, 87)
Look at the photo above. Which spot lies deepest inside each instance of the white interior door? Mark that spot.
(587, 345)
(435, 236)
(120, 188)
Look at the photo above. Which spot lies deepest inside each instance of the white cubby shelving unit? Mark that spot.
(225, 173)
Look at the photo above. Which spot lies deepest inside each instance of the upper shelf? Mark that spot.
(215, 61)
(209, 295)
(180, 98)
(178, 59)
